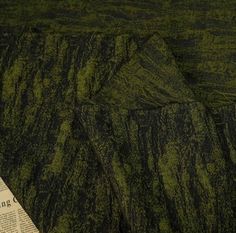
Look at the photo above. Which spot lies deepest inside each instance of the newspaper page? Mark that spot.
(13, 219)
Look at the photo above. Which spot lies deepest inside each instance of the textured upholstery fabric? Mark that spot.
(120, 116)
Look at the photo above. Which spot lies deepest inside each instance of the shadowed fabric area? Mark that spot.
(120, 116)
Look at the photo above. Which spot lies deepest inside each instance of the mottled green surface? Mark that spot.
(200, 33)
(120, 116)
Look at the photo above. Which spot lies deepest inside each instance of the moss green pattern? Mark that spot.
(120, 116)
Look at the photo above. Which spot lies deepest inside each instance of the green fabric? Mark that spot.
(120, 116)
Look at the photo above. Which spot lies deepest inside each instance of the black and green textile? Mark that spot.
(120, 116)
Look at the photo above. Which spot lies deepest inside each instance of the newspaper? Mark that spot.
(13, 218)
